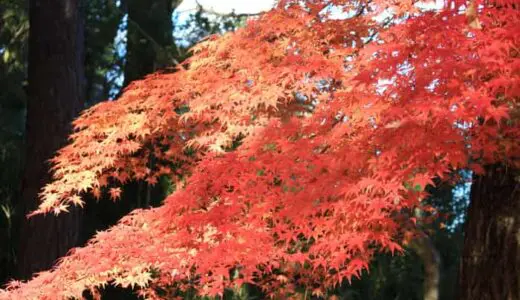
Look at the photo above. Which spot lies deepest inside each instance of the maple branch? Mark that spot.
(231, 14)
(372, 36)
(155, 44)
(361, 9)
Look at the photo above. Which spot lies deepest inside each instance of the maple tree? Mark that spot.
(305, 137)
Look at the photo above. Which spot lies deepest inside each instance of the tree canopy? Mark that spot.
(299, 146)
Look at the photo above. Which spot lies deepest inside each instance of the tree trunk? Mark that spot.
(55, 71)
(431, 260)
(490, 263)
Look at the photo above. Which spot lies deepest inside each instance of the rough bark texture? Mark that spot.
(490, 264)
(55, 97)
(431, 259)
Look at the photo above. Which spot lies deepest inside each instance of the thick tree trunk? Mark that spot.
(55, 97)
(490, 264)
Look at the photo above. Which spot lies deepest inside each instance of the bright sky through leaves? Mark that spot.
(228, 6)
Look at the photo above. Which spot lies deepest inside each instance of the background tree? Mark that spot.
(55, 96)
(103, 20)
(490, 237)
(14, 32)
(150, 44)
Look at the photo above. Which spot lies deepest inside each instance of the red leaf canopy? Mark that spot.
(342, 122)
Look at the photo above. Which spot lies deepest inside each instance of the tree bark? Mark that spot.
(56, 80)
(490, 263)
(431, 260)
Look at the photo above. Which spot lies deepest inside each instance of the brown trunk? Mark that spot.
(55, 73)
(431, 260)
(490, 264)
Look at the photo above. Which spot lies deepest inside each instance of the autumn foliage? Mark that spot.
(298, 146)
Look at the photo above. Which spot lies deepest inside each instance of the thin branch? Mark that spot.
(231, 14)
(156, 45)
(372, 36)
(362, 8)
